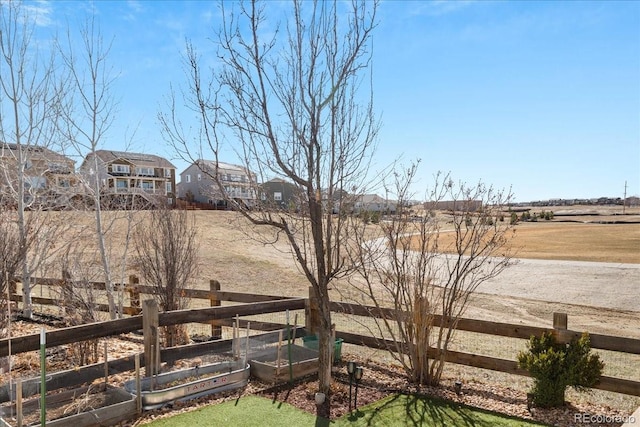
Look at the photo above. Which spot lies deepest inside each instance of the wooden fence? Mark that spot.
(219, 316)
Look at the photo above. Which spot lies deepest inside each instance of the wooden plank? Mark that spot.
(363, 310)
(131, 311)
(249, 298)
(500, 329)
(256, 325)
(603, 342)
(485, 362)
(71, 334)
(619, 385)
(220, 295)
(151, 334)
(214, 301)
(227, 312)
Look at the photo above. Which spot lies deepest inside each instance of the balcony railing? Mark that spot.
(134, 190)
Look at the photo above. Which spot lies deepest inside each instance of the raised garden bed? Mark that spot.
(273, 366)
(189, 383)
(96, 405)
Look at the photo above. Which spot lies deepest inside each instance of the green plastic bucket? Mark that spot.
(311, 341)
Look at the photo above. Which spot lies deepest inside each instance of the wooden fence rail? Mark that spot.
(260, 304)
(134, 290)
(121, 326)
(562, 334)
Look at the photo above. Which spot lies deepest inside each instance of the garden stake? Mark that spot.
(43, 377)
(19, 402)
(289, 349)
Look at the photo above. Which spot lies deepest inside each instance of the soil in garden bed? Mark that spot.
(94, 398)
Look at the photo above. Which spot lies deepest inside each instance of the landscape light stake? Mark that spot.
(351, 367)
(458, 387)
(358, 376)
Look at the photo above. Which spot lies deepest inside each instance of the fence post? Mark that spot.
(311, 312)
(134, 292)
(150, 325)
(216, 329)
(560, 322)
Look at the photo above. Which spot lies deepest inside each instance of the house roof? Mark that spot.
(372, 198)
(36, 151)
(221, 166)
(140, 159)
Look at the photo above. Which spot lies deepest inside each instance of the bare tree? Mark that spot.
(88, 113)
(167, 257)
(29, 96)
(427, 267)
(289, 97)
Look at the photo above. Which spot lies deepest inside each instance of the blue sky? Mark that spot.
(542, 97)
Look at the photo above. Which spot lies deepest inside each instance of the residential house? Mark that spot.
(373, 203)
(124, 176)
(280, 194)
(197, 183)
(49, 178)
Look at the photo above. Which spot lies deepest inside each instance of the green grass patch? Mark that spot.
(396, 410)
(246, 411)
(417, 410)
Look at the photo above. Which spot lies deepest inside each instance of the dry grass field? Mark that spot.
(230, 253)
(597, 234)
(619, 243)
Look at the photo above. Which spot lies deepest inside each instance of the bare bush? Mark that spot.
(166, 250)
(80, 301)
(428, 267)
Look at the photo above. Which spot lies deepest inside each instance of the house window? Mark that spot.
(57, 167)
(146, 171)
(64, 182)
(116, 168)
(167, 173)
(121, 183)
(36, 182)
(188, 178)
(167, 187)
(277, 196)
(170, 200)
(147, 185)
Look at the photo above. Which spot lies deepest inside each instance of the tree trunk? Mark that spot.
(325, 347)
(548, 393)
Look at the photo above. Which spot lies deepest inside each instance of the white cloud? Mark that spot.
(134, 8)
(40, 12)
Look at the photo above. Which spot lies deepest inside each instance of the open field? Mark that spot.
(588, 291)
(601, 297)
(616, 243)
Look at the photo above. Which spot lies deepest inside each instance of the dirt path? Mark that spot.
(597, 284)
